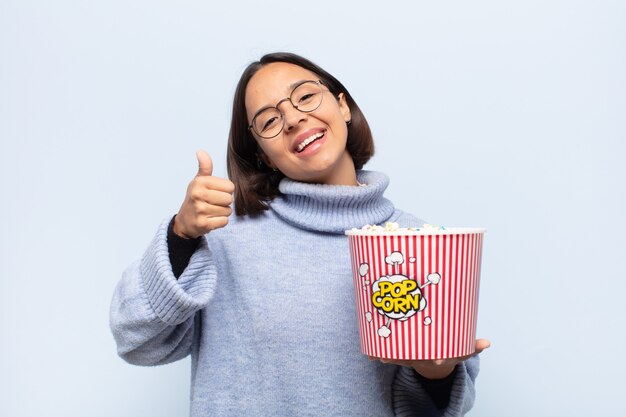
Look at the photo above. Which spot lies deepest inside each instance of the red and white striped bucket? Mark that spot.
(417, 291)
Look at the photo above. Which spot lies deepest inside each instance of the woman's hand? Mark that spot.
(207, 203)
(440, 368)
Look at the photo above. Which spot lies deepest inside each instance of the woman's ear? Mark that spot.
(263, 159)
(344, 108)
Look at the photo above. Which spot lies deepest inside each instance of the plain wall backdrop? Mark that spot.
(504, 115)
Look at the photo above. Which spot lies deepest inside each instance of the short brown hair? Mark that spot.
(256, 183)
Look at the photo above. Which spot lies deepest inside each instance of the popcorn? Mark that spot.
(428, 226)
(394, 227)
(391, 227)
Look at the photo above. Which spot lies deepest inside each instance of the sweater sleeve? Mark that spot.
(410, 398)
(152, 313)
(438, 389)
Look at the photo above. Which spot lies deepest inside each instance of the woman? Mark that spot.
(264, 302)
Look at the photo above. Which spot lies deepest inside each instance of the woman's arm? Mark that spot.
(152, 313)
(412, 398)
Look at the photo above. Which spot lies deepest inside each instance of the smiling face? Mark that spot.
(312, 146)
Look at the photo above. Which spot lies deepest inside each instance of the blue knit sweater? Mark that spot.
(266, 310)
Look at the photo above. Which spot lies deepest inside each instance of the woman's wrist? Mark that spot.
(434, 372)
(176, 229)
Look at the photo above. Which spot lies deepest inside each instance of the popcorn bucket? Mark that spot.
(416, 291)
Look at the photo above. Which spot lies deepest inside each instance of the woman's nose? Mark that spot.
(292, 115)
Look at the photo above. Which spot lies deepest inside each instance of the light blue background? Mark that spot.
(509, 116)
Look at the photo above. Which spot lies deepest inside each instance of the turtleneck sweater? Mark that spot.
(265, 308)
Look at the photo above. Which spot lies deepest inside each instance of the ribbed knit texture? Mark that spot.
(266, 310)
(408, 392)
(175, 300)
(307, 206)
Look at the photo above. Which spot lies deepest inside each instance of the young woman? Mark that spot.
(263, 299)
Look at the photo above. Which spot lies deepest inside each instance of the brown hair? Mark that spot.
(256, 183)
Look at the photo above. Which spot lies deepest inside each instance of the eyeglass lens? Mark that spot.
(306, 97)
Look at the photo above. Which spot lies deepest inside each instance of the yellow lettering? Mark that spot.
(409, 285)
(385, 288)
(414, 301)
(391, 303)
(400, 305)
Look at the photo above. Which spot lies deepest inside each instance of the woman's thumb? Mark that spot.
(205, 164)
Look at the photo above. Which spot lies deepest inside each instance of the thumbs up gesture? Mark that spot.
(207, 203)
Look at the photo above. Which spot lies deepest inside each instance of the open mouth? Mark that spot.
(306, 142)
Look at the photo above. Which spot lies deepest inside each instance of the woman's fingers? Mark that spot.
(212, 197)
(215, 183)
(482, 344)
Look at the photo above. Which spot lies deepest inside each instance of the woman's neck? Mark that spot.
(343, 173)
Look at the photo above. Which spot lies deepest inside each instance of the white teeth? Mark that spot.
(308, 140)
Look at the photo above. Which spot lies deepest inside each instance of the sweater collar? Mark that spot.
(334, 208)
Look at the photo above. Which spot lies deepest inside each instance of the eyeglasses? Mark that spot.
(305, 97)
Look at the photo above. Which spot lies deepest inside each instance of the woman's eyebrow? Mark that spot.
(295, 84)
(290, 87)
(261, 109)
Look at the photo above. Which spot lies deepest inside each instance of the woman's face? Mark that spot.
(325, 159)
